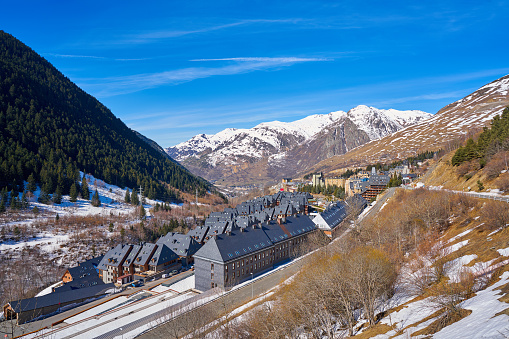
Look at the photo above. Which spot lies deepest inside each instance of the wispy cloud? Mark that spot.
(106, 87)
(77, 56)
(166, 34)
(74, 56)
(266, 59)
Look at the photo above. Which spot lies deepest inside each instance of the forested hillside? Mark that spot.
(50, 129)
(491, 141)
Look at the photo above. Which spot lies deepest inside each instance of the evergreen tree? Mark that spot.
(57, 196)
(73, 193)
(134, 198)
(2, 205)
(24, 200)
(143, 213)
(85, 192)
(32, 186)
(95, 200)
(127, 198)
(44, 198)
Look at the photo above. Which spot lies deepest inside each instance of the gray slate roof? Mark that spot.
(335, 214)
(114, 256)
(132, 256)
(26, 305)
(145, 254)
(240, 242)
(199, 233)
(162, 255)
(182, 245)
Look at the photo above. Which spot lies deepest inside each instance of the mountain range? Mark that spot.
(272, 150)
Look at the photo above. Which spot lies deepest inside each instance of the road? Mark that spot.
(379, 203)
(12, 330)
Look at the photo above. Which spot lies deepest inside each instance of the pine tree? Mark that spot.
(85, 192)
(95, 200)
(44, 197)
(31, 183)
(74, 192)
(134, 198)
(24, 200)
(143, 213)
(57, 196)
(127, 198)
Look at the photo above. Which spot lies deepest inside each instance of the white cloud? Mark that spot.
(166, 34)
(266, 59)
(106, 87)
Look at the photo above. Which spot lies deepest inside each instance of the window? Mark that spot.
(211, 276)
(242, 271)
(226, 268)
(211, 267)
(238, 273)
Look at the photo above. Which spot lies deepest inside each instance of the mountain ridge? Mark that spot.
(228, 152)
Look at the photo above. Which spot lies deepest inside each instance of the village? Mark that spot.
(232, 247)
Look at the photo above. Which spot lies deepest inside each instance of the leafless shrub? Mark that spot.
(495, 214)
(496, 164)
(449, 296)
(502, 183)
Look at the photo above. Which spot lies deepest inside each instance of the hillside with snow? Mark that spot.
(448, 127)
(227, 152)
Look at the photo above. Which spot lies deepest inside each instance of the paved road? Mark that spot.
(12, 330)
(379, 203)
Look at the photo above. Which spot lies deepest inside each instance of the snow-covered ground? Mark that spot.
(48, 289)
(184, 284)
(47, 241)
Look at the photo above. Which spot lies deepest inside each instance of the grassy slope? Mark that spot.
(446, 175)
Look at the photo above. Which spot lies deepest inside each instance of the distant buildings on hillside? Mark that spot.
(366, 183)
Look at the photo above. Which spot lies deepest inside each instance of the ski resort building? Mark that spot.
(238, 255)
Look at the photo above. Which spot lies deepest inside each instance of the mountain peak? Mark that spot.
(236, 148)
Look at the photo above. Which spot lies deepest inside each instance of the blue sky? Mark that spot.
(174, 69)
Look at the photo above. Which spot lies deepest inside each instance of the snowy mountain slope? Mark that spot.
(209, 154)
(451, 123)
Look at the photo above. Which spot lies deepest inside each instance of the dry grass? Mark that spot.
(464, 177)
(441, 322)
(374, 331)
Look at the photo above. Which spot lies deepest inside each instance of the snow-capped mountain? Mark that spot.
(218, 155)
(448, 127)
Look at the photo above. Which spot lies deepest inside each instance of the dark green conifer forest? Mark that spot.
(50, 129)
